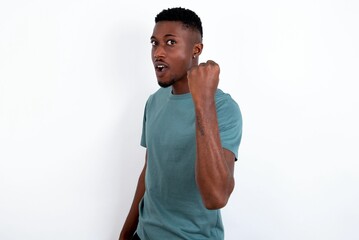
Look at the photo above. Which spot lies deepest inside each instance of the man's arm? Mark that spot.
(214, 165)
(131, 222)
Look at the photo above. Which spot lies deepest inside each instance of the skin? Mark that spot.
(177, 49)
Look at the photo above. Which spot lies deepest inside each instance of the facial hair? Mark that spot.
(166, 84)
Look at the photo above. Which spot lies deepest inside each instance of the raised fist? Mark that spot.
(203, 80)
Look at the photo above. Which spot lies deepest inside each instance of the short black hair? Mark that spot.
(189, 18)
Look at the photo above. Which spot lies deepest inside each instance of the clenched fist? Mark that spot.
(203, 81)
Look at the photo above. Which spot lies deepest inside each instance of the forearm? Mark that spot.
(213, 175)
(131, 221)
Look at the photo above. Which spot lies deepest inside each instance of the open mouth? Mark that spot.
(160, 67)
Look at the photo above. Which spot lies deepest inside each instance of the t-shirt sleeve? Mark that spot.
(230, 124)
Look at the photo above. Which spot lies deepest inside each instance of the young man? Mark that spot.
(192, 132)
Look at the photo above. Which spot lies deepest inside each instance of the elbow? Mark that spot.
(215, 200)
(215, 204)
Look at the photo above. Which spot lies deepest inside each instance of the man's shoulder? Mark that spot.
(224, 97)
(158, 96)
(161, 92)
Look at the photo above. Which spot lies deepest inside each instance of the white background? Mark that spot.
(74, 78)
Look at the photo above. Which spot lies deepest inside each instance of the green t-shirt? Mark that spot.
(172, 206)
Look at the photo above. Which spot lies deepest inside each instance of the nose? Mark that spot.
(158, 52)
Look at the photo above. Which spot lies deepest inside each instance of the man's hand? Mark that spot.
(203, 81)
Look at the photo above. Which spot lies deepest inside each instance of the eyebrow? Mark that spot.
(167, 35)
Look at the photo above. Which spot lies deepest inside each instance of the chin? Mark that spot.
(166, 84)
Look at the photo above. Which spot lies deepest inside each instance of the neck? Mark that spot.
(180, 87)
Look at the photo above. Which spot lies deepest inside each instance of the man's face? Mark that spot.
(172, 51)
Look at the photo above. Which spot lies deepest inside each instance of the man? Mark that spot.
(192, 132)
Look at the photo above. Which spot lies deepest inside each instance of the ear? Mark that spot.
(197, 49)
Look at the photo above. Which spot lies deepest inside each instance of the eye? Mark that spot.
(153, 43)
(171, 42)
